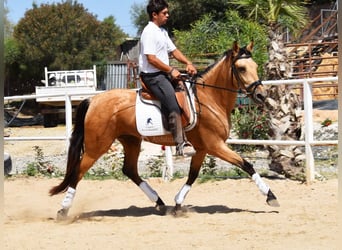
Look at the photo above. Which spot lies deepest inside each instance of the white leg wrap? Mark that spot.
(69, 197)
(260, 184)
(149, 191)
(182, 193)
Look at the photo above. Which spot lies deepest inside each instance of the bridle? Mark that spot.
(249, 90)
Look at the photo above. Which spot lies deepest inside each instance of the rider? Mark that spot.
(156, 73)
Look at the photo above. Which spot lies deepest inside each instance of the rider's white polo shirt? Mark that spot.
(154, 40)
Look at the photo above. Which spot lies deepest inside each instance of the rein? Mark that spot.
(203, 84)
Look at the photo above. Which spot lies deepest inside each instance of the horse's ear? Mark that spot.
(250, 46)
(236, 47)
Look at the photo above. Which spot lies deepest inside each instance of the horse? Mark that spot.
(107, 116)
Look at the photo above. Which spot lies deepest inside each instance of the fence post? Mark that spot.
(168, 168)
(68, 119)
(310, 165)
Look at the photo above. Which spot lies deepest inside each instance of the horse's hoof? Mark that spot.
(177, 210)
(272, 199)
(160, 206)
(273, 203)
(62, 214)
(161, 209)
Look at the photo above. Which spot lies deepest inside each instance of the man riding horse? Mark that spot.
(156, 73)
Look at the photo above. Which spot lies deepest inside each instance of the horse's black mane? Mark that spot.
(243, 52)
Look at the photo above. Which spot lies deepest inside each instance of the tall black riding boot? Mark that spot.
(183, 147)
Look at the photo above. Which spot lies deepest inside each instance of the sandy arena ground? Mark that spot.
(229, 214)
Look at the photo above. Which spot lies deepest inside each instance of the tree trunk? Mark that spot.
(285, 112)
(277, 67)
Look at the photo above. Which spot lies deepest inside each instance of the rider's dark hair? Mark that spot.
(155, 6)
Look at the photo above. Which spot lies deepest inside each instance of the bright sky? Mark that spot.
(120, 9)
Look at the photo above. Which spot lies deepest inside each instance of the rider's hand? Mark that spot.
(175, 74)
(191, 69)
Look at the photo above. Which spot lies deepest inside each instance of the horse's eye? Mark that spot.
(242, 69)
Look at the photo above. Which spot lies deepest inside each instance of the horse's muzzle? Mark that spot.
(260, 97)
(257, 91)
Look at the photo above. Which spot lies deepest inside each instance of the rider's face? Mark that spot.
(161, 17)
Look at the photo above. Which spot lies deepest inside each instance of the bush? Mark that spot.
(40, 166)
(109, 168)
(209, 165)
(155, 166)
(250, 122)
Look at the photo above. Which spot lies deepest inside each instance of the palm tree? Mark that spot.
(276, 15)
(283, 103)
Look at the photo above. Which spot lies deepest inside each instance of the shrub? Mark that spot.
(250, 122)
(154, 166)
(40, 166)
(209, 165)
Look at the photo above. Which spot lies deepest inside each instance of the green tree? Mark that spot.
(63, 36)
(182, 13)
(139, 16)
(12, 56)
(208, 36)
(11, 51)
(276, 15)
(8, 25)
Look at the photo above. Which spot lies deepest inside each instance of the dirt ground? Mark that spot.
(228, 214)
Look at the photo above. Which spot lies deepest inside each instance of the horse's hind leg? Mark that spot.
(85, 165)
(93, 151)
(130, 169)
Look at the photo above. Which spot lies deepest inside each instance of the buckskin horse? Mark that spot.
(109, 116)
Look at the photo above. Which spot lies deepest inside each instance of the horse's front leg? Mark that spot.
(195, 166)
(222, 151)
(263, 187)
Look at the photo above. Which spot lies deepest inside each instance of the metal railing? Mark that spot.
(308, 142)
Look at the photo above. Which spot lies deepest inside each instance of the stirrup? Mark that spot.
(185, 149)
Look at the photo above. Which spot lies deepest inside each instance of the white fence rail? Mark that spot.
(68, 115)
(308, 142)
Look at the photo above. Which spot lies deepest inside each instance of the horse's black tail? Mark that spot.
(75, 151)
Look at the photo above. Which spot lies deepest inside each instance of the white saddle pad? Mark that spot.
(149, 118)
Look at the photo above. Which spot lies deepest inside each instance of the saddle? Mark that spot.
(181, 96)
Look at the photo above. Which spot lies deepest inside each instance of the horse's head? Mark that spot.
(244, 70)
